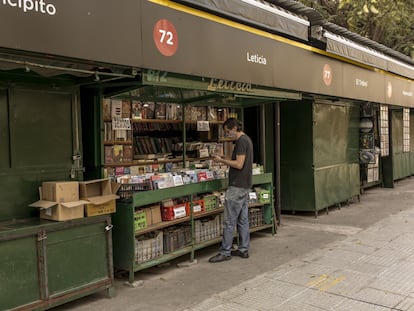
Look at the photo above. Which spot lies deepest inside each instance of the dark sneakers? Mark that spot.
(219, 258)
(240, 254)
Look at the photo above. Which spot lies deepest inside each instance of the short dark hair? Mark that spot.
(233, 123)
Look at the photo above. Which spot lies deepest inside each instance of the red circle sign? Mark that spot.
(327, 75)
(165, 37)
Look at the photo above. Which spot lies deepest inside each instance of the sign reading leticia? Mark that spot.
(37, 6)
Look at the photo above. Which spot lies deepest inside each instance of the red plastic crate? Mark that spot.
(198, 206)
(174, 212)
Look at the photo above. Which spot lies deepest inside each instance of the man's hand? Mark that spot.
(216, 157)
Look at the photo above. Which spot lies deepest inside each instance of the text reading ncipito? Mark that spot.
(38, 6)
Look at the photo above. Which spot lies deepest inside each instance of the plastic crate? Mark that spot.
(176, 237)
(256, 217)
(174, 212)
(198, 207)
(149, 246)
(140, 220)
(207, 228)
(126, 191)
(263, 195)
(210, 202)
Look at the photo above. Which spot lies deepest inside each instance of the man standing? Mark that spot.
(240, 182)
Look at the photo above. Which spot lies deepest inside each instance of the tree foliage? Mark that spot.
(387, 22)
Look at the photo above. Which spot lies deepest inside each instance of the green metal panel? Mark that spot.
(18, 272)
(336, 139)
(37, 143)
(4, 130)
(47, 263)
(42, 128)
(271, 128)
(401, 159)
(296, 148)
(76, 256)
(123, 236)
(336, 184)
(319, 151)
(387, 171)
(387, 167)
(354, 180)
(92, 133)
(411, 168)
(335, 134)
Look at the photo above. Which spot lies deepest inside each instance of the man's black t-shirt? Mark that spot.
(242, 178)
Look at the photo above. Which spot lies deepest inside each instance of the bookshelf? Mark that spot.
(147, 136)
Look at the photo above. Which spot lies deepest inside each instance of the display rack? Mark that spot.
(124, 234)
(144, 136)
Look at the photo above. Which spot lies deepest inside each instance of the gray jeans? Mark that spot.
(236, 212)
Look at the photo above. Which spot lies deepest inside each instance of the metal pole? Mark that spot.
(277, 161)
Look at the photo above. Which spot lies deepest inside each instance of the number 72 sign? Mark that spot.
(165, 37)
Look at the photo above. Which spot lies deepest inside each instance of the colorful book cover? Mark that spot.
(118, 153)
(202, 176)
(126, 108)
(128, 153)
(108, 155)
(178, 180)
(160, 110)
(134, 170)
(106, 108)
(149, 108)
(156, 180)
(137, 110)
(141, 169)
(119, 170)
(155, 167)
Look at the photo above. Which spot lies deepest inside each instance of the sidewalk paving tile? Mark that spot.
(407, 304)
(380, 297)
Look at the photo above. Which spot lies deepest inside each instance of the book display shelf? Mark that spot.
(172, 203)
(144, 136)
(147, 233)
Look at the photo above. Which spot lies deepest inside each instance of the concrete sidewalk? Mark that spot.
(360, 257)
(370, 270)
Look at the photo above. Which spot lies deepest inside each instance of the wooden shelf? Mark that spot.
(109, 143)
(140, 162)
(155, 121)
(211, 122)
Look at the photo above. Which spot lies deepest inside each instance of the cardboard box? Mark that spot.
(100, 209)
(59, 201)
(60, 191)
(99, 196)
(95, 188)
(61, 211)
(153, 214)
